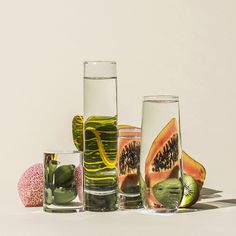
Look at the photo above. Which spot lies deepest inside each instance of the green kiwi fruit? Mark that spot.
(169, 192)
(62, 195)
(64, 175)
(143, 188)
(48, 196)
(191, 191)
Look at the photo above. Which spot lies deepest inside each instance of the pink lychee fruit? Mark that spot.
(79, 181)
(30, 186)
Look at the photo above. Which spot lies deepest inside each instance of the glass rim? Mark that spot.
(161, 98)
(99, 62)
(128, 133)
(135, 129)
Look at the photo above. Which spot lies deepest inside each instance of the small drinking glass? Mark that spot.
(129, 142)
(63, 182)
(161, 154)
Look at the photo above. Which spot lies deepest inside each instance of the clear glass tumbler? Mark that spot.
(100, 136)
(63, 182)
(161, 154)
(129, 168)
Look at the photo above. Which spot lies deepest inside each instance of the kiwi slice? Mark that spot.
(191, 191)
(169, 192)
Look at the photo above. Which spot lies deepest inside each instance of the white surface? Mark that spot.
(32, 221)
(180, 47)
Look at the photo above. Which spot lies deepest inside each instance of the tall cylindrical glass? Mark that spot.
(161, 163)
(100, 136)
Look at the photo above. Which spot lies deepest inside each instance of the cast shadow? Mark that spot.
(207, 193)
(224, 203)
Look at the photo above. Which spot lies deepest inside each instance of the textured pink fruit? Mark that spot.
(30, 186)
(79, 181)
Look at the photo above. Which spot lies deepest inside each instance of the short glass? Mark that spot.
(161, 154)
(63, 182)
(129, 141)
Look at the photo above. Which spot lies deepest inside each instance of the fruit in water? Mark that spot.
(129, 160)
(52, 166)
(163, 158)
(63, 195)
(64, 175)
(129, 183)
(162, 169)
(191, 191)
(100, 162)
(194, 169)
(30, 186)
(168, 192)
(129, 157)
(77, 131)
(48, 196)
(163, 163)
(190, 195)
(190, 166)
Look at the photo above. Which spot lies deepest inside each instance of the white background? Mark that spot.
(185, 47)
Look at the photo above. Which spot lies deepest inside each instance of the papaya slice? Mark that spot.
(129, 160)
(152, 202)
(128, 183)
(194, 169)
(190, 166)
(163, 158)
(129, 131)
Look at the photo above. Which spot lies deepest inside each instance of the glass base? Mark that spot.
(62, 209)
(130, 202)
(101, 203)
(161, 210)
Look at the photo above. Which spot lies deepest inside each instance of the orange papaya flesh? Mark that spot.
(128, 156)
(163, 158)
(121, 179)
(154, 178)
(129, 131)
(194, 169)
(191, 167)
(128, 181)
(152, 202)
(128, 162)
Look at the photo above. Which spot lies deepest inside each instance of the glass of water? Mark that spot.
(128, 168)
(63, 182)
(161, 164)
(100, 136)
